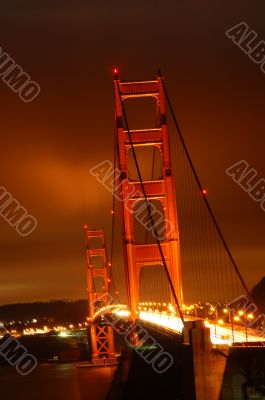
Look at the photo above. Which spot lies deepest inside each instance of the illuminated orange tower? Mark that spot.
(140, 255)
(102, 343)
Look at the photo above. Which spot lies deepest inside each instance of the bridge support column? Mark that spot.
(101, 334)
(209, 364)
(139, 255)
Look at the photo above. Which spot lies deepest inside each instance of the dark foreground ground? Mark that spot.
(56, 381)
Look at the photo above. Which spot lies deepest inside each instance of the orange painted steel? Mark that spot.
(102, 341)
(138, 256)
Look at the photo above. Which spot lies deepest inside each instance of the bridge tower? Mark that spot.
(102, 340)
(140, 255)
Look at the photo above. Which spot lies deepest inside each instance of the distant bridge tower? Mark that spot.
(140, 255)
(102, 342)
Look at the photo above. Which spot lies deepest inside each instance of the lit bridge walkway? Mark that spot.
(221, 333)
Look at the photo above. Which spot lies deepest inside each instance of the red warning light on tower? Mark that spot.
(204, 192)
(116, 72)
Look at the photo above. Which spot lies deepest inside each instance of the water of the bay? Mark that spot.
(56, 381)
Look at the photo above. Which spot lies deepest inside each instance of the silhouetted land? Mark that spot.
(62, 311)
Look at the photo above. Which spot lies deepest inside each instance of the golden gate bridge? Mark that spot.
(171, 254)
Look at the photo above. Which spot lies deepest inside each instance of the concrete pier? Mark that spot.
(209, 363)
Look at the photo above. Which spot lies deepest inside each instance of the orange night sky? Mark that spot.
(49, 145)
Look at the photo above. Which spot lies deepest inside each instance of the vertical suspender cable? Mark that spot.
(201, 189)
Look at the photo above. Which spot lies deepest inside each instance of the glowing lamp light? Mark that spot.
(250, 316)
(241, 312)
(115, 71)
(204, 192)
(122, 313)
(112, 212)
(236, 318)
(85, 227)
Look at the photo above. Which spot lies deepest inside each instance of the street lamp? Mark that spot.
(225, 311)
(249, 317)
(212, 309)
(230, 319)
